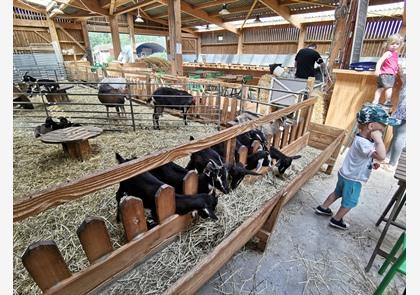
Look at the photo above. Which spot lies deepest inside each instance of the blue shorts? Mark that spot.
(348, 190)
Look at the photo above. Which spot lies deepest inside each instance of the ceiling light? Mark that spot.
(138, 17)
(224, 10)
(257, 19)
(57, 11)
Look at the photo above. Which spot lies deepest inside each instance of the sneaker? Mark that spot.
(339, 223)
(321, 211)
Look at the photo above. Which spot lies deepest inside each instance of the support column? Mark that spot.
(175, 40)
(240, 42)
(116, 44)
(359, 31)
(132, 36)
(55, 42)
(86, 41)
(301, 41)
(199, 45)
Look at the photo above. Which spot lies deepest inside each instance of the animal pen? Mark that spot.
(47, 267)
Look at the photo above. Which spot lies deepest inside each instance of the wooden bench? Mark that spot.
(75, 140)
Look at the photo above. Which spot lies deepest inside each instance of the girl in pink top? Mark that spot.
(387, 69)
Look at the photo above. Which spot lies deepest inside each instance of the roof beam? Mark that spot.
(23, 5)
(282, 11)
(161, 21)
(201, 14)
(138, 5)
(213, 3)
(112, 7)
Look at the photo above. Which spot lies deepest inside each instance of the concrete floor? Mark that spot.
(307, 256)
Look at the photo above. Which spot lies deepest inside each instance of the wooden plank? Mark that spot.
(45, 264)
(72, 190)
(230, 150)
(285, 136)
(95, 239)
(207, 267)
(277, 138)
(190, 186)
(165, 202)
(116, 43)
(293, 134)
(122, 259)
(132, 216)
(70, 36)
(297, 145)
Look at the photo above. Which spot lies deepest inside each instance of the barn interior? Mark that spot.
(231, 67)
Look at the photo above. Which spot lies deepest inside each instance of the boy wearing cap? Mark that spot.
(358, 163)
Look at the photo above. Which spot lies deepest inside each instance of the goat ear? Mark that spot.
(296, 157)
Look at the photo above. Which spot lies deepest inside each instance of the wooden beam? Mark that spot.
(112, 7)
(36, 32)
(301, 40)
(70, 36)
(237, 10)
(175, 40)
(201, 14)
(26, 6)
(282, 11)
(116, 44)
(213, 3)
(138, 5)
(86, 40)
(29, 23)
(132, 36)
(240, 43)
(55, 42)
(247, 16)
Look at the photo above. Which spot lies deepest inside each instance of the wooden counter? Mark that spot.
(351, 90)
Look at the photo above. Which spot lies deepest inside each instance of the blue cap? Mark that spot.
(375, 113)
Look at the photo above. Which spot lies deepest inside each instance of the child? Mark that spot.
(387, 69)
(358, 163)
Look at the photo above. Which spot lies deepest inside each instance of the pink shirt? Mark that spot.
(390, 65)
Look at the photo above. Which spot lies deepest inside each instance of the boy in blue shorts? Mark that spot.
(358, 163)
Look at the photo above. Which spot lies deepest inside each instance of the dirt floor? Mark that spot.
(307, 256)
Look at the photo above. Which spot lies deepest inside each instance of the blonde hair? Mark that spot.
(395, 38)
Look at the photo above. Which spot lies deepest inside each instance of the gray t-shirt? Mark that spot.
(357, 164)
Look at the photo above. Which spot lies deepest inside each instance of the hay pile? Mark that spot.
(157, 63)
(163, 269)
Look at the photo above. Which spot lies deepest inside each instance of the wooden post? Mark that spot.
(198, 46)
(243, 155)
(116, 44)
(285, 137)
(45, 264)
(277, 138)
(175, 37)
(190, 186)
(94, 237)
(165, 202)
(301, 41)
(86, 41)
(132, 215)
(132, 36)
(240, 43)
(55, 42)
(230, 150)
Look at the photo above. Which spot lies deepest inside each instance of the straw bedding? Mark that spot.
(38, 166)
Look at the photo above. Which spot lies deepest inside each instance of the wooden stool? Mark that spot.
(75, 140)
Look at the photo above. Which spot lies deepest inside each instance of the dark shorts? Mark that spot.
(385, 81)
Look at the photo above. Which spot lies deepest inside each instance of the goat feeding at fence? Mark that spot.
(145, 187)
(39, 85)
(170, 98)
(112, 94)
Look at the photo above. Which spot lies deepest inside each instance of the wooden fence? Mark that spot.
(48, 268)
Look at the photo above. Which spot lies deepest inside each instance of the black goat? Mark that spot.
(248, 138)
(170, 98)
(36, 84)
(237, 173)
(210, 162)
(51, 125)
(283, 161)
(145, 186)
(113, 95)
